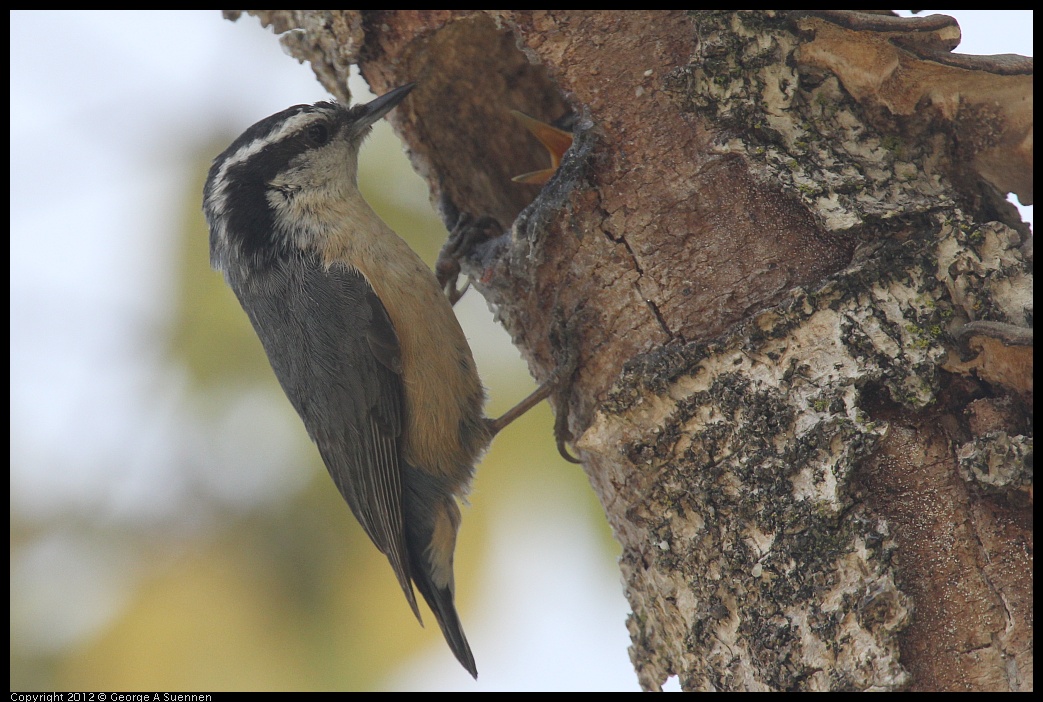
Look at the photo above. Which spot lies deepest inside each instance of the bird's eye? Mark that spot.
(318, 134)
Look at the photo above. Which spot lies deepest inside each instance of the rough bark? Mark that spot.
(798, 309)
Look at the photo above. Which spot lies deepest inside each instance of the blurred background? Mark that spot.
(172, 527)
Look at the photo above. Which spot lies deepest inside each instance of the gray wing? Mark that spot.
(336, 354)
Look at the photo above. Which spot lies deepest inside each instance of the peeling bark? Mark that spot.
(799, 305)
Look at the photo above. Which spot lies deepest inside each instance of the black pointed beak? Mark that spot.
(371, 111)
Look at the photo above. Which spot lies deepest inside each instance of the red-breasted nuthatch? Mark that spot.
(360, 336)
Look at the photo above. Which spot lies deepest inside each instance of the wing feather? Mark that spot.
(337, 357)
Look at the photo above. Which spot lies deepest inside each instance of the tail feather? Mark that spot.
(432, 519)
(441, 602)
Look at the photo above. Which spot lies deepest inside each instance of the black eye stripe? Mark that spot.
(251, 222)
(240, 177)
(264, 129)
(318, 134)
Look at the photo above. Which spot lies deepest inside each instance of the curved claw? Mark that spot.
(562, 435)
(563, 451)
(466, 235)
(447, 271)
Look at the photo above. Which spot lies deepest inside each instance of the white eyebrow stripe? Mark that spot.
(287, 127)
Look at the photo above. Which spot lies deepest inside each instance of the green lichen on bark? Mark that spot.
(781, 578)
(758, 437)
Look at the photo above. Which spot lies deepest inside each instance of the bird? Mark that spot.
(360, 336)
(555, 139)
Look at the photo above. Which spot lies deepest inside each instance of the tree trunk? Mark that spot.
(790, 305)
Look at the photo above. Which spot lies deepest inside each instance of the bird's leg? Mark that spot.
(562, 435)
(535, 397)
(467, 234)
(476, 242)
